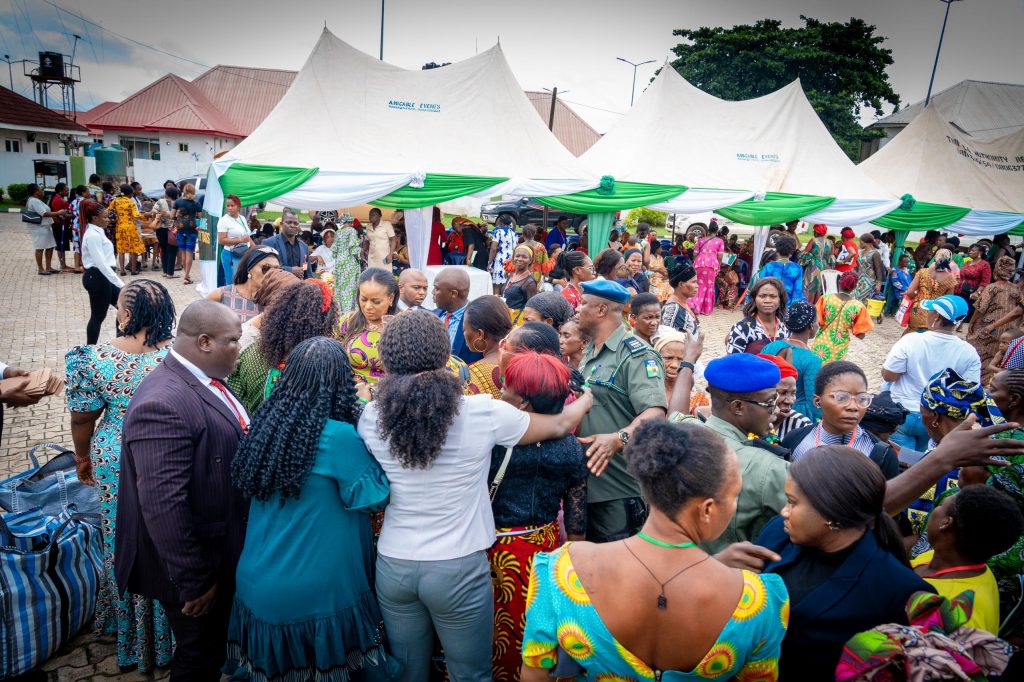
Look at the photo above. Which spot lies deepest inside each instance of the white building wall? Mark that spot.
(175, 162)
(18, 167)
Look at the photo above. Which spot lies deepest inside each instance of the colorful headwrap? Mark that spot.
(328, 294)
(847, 233)
(1005, 267)
(526, 249)
(785, 368)
(1014, 357)
(950, 394)
(820, 230)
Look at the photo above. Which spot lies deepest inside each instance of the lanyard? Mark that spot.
(775, 331)
(954, 569)
(234, 408)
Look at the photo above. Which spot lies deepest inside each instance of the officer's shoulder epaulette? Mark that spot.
(635, 346)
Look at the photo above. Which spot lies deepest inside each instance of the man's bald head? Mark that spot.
(451, 289)
(208, 335)
(412, 287)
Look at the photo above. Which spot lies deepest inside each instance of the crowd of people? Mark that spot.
(311, 475)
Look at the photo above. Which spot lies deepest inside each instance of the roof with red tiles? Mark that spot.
(16, 110)
(244, 95)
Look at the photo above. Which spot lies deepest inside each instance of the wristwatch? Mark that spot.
(684, 364)
(623, 438)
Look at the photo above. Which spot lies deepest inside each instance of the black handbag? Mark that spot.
(32, 217)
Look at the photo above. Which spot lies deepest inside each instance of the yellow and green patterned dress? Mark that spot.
(561, 618)
(838, 320)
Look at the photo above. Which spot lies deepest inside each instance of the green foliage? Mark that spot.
(18, 192)
(645, 215)
(841, 67)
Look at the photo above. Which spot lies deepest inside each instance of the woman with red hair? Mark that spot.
(817, 256)
(840, 316)
(529, 483)
(232, 237)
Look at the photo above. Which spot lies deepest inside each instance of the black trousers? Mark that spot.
(62, 235)
(200, 643)
(102, 295)
(168, 252)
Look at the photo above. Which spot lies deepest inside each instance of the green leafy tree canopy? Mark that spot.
(841, 67)
(645, 215)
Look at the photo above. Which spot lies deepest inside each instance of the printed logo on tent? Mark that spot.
(768, 158)
(413, 106)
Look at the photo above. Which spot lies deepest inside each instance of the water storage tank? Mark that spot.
(111, 161)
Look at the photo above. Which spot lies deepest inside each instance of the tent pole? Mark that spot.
(551, 127)
(382, 30)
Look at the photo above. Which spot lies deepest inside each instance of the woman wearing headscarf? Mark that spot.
(801, 319)
(996, 309)
(848, 258)
(930, 283)
(249, 272)
(974, 277)
(634, 260)
(521, 285)
(840, 317)
(677, 312)
(871, 269)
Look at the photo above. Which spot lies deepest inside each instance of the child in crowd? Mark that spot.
(1005, 339)
(728, 282)
(965, 530)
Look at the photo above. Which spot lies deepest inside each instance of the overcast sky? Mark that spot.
(571, 44)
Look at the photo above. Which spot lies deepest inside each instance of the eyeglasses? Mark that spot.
(767, 404)
(844, 398)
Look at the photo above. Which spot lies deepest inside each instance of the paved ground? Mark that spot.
(42, 317)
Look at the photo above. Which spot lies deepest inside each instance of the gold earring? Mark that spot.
(121, 326)
(832, 525)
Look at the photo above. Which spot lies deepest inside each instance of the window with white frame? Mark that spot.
(42, 147)
(183, 146)
(141, 148)
(13, 146)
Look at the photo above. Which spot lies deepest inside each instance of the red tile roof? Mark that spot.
(170, 103)
(232, 101)
(572, 131)
(21, 111)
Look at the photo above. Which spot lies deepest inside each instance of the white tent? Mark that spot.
(936, 162)
(678, 134)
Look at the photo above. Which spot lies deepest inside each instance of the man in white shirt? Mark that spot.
(916, 358)
(381, 241)
(412, 289)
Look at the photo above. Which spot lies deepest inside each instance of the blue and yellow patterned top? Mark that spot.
(559, 614)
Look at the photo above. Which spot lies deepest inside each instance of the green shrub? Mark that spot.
(18, 192)
(645, 215)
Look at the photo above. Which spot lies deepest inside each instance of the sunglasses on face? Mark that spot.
(267, 267)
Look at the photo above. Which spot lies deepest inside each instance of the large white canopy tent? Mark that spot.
(937, 162)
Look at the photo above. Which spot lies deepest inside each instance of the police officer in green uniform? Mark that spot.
(627, 378)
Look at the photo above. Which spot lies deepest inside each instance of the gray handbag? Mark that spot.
(51, 487)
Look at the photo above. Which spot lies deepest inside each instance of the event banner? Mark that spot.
(207, 237)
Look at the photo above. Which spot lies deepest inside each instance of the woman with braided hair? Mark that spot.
(304, 605)
(310, 312)
(431, 440)
(101, 380)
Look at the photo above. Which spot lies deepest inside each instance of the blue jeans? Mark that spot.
(912, 434)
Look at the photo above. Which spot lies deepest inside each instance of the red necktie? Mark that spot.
(234, 408)
(448, 319)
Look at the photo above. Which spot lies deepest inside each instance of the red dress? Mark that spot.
(436, 239)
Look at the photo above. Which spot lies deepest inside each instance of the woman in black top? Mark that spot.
(528, 486)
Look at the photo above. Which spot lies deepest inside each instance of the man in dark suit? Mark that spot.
(180, 523)
(292, 251)
(451, 296)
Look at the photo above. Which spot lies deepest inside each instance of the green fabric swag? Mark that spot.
(254, 183)
(775, 209)
(921, 216)
(626, 195)
(599, 230)
(437, 187)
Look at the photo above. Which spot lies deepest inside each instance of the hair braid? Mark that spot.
(150, 308)
(279, 451)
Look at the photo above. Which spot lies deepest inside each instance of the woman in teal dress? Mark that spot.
(304, 607)
(653, 606)
(101, 379)
(801, 319)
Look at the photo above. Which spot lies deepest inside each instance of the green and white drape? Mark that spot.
(316, 189)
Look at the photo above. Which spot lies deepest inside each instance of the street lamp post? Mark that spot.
(938, 49)
(382, 30)
(632, 93)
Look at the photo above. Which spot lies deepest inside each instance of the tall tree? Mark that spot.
(840, 65)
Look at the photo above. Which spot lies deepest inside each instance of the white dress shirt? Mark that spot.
(225, 397)
(98, 252)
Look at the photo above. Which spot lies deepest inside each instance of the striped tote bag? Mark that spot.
(50, 569)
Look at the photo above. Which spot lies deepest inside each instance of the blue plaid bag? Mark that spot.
(52, 487)
(50, 568)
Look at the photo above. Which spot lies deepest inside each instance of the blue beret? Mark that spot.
(613, 291)
(742, 373)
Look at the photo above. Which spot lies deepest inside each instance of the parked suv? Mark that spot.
(524, 210)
